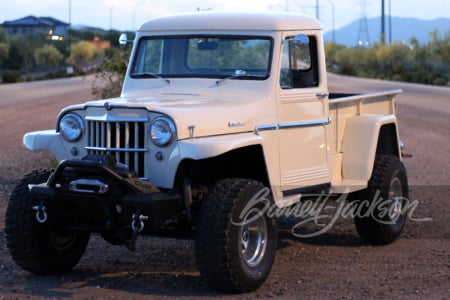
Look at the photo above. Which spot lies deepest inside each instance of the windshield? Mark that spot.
(235, 57)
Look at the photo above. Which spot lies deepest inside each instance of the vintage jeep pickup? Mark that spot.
(222, 117)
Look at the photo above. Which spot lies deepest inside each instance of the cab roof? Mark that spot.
(239, 21)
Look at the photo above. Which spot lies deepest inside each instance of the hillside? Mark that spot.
(402, 30)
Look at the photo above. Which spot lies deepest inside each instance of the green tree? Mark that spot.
(23, 47)
(349, 60)
(21, 51)
(439, 52)
(394, 60)
(4, 46)
(413, 62)
(82, 53)
(48, 56)
(3, 36)
(4, 52)
(370, 65)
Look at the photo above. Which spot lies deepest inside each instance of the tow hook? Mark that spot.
(41, 213)
(137, 222)
(137, 225)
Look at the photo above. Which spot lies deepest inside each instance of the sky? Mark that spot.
(129, 14)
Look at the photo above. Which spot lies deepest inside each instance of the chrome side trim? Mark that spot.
(304, 123)
(265, 127)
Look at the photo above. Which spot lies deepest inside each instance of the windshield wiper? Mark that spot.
(149, 74)
(239, 76)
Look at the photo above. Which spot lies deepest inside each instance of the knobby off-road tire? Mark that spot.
(235, 242)
(382, 224)
(35, 247)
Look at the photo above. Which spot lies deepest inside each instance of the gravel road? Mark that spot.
(334, 265)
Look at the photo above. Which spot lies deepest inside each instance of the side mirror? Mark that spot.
(299, 39)
(123, 40)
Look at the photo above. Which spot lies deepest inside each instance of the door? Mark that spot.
(302, 118)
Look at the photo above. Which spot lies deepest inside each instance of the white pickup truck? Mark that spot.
(221, 116)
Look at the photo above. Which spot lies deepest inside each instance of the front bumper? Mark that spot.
(94, 194)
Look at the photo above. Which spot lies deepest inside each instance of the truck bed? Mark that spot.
(342, 107)
(345, 105)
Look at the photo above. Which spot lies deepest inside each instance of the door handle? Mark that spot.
(321, 96)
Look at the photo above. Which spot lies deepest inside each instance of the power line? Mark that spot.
(363, 32)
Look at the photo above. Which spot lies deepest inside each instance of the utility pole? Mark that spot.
(317, 9)
(70, 13)
(69, 31)
(69, 69)
(363, 33)
(390, 24)
(383, 30)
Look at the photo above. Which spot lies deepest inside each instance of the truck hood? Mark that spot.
(202, 114)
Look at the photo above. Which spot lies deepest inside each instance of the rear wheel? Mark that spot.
(235, 240)
(38, 247)
(381, 221)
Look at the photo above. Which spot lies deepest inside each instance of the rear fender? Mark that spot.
(364, 137)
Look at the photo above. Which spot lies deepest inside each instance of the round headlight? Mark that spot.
(162, 131)
(71, 127)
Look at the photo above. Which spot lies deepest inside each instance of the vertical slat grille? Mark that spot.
(124, 140)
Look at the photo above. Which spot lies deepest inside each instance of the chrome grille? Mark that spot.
(123, 139)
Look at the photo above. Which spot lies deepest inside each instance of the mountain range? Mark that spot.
(403, 29)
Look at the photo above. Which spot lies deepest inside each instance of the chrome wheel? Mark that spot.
(235, 241)
(254, 236)
(396, 196)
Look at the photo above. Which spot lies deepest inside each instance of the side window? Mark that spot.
(299, 67)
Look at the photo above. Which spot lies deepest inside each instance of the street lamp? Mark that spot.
(110, 17)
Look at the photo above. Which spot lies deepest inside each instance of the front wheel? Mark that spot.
(235, 239)
(35, 247)
(384, 214)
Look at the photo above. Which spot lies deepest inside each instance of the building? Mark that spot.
(55, 29)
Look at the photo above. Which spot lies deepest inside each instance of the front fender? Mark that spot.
(201, 148)
(213, 146)
(48, 140)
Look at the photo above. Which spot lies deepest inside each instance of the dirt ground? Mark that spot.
(336, 265)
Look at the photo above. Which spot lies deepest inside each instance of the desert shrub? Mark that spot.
(10, 77)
